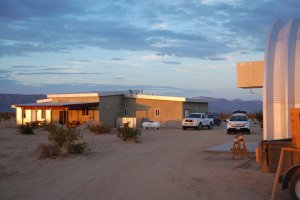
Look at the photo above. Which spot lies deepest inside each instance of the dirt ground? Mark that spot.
(167, 164)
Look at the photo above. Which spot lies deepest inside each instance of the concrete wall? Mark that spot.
(110, 107)
(170, 112)
(195, 107)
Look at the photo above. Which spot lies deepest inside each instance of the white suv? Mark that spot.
(238, 123)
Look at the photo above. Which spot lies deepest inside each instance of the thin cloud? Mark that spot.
(57, 73)
(120, 78)
(172, 62)
(214, 59)
(117, 59)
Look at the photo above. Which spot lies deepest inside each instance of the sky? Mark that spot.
(170, 47)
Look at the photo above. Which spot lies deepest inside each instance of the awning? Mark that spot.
(58, 105)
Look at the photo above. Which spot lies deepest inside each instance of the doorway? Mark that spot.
(62, 117)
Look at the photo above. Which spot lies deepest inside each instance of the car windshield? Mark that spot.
(195, 116)
(238, 118)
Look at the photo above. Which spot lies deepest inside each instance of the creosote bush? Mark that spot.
(6, 116)
(62, 136)
(48, 150)
(77, 147)
(50, 127)
(99, 128)
(129, 133)
(25, 129)
(259, 117)
(66, 140)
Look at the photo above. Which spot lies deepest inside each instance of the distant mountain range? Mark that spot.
(215, 105)
(218, 105)
(6, 100)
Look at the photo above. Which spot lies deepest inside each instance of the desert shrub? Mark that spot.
(99, 128)
(5, 116)
(25, 129)
(128, 133)
(77, 148)
(50, 127)
(66, 139)
(62, 136)
(259, 116)
(48, 150)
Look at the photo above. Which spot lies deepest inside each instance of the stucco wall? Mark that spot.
(170, 112)
(110, 107)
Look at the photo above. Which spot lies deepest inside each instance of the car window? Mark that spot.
(238, 118)
(195, 116)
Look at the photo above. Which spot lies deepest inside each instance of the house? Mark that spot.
(107, 107)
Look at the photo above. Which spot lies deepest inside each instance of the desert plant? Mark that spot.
(48, 150)
(25, 129)
(77, 148)
(259, 117)
(63, 141)
(128, 133)
(66, 139)
(50, 127)
(99, 128)
(5, 116)
(62, 136)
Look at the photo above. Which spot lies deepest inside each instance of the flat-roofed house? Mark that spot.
(107, 107)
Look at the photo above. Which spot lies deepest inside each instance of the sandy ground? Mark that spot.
(167, 164)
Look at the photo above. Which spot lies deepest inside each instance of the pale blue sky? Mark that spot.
(180, 48)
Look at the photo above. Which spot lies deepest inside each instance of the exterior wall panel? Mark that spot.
(111, 107)
(170, 112)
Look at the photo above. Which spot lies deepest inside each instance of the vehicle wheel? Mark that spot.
(228, 132)
(219, 123)
(248, 132)
(209, 126)
(199, 126)
(184, 128)
(295, 186)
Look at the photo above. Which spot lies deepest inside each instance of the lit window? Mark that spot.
(157, 112)
(126, 112)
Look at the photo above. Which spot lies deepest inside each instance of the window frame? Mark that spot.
(126, 112)
(157, 112)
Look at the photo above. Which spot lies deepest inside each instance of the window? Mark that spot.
(157, 113)
(125, 111)
(43, 114)
(85, 111)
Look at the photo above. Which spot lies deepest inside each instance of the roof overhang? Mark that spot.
(57, 105)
